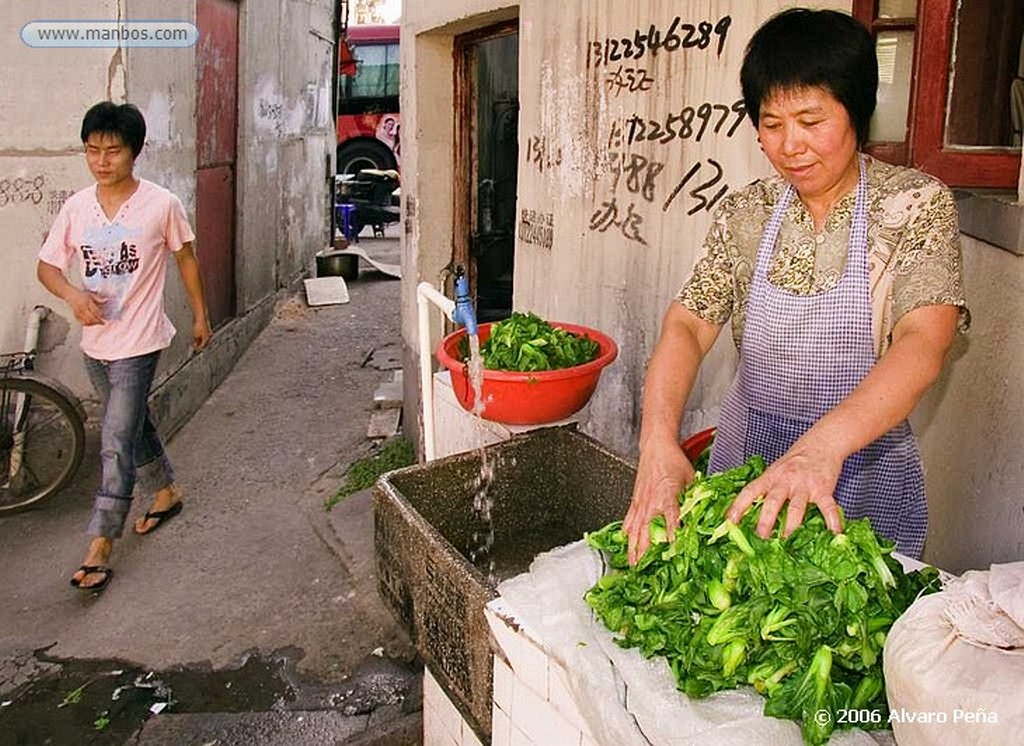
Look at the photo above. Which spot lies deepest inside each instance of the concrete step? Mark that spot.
(388, 395)
(384, 423)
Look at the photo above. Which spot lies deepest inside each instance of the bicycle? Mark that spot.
(42, 428)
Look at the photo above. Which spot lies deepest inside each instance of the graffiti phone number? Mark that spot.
(677, 36)
(689, 123)
(17, 190)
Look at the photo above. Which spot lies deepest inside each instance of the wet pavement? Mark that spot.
(263, 701)
(253, 616)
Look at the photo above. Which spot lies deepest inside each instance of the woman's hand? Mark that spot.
(804, 475)
(663, 470)
(662, 474)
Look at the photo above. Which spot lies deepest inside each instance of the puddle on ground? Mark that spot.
(105, 702)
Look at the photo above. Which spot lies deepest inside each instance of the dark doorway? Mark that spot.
(488, 158)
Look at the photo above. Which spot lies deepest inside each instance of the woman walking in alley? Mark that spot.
(121, 231)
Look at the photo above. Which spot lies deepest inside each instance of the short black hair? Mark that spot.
(800, 48)
(123, 120)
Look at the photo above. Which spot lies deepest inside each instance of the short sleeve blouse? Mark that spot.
(914, 252)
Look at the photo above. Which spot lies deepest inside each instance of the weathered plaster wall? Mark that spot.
(286, 136)
(624, 153)
(970, 423)
(41, 108)
(612, 209)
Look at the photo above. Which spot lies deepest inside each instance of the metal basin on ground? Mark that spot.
(550, 486)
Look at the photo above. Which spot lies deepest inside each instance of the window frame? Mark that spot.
(924, 147)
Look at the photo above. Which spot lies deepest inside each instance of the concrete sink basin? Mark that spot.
(549, 486)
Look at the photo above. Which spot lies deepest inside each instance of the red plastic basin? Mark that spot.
(695, 444)
(533, 398)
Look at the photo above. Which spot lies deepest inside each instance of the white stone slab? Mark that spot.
(326, 291)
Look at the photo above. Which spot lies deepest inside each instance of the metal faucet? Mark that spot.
(464, 312)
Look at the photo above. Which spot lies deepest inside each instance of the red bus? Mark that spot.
(368, 121)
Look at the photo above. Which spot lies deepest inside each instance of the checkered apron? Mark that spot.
(799, 357)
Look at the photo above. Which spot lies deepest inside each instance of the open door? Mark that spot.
(487, 89)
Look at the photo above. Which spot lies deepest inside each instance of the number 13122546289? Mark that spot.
(678, 35)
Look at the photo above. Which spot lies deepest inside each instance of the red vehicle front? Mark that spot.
(368, 94)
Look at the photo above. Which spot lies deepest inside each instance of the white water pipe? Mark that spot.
(35, 320)
(425, 295)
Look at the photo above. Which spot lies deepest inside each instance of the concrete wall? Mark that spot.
(624, 239)
(971, 422)
(286, 133)
(624, 233)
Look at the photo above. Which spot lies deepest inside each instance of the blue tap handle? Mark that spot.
(464, 312)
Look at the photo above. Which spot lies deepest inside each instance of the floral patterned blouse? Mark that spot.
(914, 253)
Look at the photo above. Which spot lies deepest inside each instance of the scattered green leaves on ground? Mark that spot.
(362, 474)
(525, 342)
(801, 619)
(75, 695)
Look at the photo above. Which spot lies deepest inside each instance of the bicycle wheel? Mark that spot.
(42, 441)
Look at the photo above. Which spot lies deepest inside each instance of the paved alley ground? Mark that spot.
(254, 568)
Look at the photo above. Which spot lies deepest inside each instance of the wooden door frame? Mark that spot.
(463, 195)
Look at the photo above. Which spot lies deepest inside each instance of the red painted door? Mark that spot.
(216, 146)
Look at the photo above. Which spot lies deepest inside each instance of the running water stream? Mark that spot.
(483, 536)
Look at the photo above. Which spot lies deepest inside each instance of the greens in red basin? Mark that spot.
(525, 342)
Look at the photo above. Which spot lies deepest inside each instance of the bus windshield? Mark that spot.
(374, 87)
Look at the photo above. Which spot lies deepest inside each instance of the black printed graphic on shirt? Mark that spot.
(106, 263)
(110, 262)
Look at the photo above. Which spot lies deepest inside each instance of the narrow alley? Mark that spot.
(254, 571)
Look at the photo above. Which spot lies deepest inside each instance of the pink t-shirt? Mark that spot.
(125, 261)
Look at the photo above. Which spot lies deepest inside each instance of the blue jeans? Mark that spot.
(130, 447)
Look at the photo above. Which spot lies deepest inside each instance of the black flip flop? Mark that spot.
(91, 570)
(160, 516)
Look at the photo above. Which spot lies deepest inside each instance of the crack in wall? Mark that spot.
(117, 71)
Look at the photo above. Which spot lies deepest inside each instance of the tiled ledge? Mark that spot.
(993, 217)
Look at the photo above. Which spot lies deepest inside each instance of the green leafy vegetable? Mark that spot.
(525, 342)
(701, 463)
(801, 619)
(362, 474)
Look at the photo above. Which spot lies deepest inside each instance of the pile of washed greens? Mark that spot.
(525, 342)
(801, 619)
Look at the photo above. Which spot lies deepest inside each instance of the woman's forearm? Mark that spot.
(671, 372)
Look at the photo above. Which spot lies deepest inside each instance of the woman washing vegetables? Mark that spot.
(841, 276)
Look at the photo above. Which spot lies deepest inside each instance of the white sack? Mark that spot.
(954, 663)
